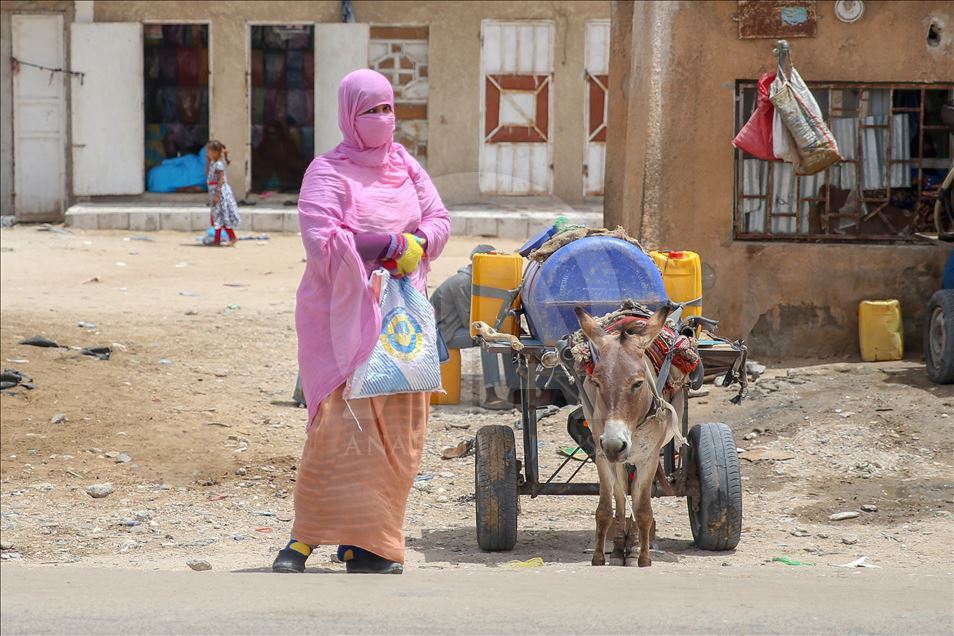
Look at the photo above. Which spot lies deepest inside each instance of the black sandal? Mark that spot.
(289, 561)
(360, 561)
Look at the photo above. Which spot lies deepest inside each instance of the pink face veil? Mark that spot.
(367, 138)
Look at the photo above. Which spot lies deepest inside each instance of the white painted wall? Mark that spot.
(107, 108)
(83, 11)
(6, 117)
(339, 49)
(39, 117)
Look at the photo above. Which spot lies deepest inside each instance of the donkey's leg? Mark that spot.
(644, 518)
(618, 557)
(604, 510)
(632, 536)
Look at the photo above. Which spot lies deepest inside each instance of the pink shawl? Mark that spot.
(350, 190)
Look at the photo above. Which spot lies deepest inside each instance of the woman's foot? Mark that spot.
(291, 559)
(360, 561)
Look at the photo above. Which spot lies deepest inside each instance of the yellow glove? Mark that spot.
(412, 255)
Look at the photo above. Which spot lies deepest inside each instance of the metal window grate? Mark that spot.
(896, 150)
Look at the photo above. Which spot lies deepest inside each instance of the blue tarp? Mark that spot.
(177, 172)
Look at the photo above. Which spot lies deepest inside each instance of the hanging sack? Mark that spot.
(782, 143)
(405, 357)
(755, 138)
(799, 112)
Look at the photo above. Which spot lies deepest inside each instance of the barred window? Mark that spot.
(897, 150)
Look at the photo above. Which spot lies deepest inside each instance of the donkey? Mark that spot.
(630, 424)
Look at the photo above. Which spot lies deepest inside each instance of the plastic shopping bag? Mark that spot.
(755, 138)
(405, 357)
(798, 111)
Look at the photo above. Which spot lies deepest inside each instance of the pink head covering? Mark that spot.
(359, 92)
(355, 189)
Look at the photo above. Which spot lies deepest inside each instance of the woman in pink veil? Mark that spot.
(364, 205)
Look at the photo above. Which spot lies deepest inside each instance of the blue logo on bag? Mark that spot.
(401, 335)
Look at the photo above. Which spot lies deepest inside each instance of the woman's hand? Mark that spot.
(409, 261)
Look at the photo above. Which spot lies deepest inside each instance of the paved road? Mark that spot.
(771, 599)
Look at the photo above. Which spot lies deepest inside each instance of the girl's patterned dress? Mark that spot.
(225, 212)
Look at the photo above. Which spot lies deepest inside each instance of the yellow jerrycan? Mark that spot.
(880, 332)
(494, 275)
(450, 380)
(682, 276)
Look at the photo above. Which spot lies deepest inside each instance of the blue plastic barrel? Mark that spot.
(597, 273)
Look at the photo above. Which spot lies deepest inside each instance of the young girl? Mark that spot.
(223, 208)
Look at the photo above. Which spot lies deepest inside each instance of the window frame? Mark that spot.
(878, 203)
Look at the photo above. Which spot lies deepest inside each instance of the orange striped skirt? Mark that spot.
(353, 482)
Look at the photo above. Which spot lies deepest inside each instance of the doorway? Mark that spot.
(39, 117)
(282, 93)
(595, 105)
(176, 99)
(516, 155)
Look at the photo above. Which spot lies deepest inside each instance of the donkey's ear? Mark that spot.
(653, 326)
(591, 329)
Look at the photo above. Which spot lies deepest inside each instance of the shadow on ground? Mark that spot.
(916, 378)
(459, 546)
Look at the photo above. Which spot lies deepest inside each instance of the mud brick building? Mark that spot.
(786, 258)
(154, 80)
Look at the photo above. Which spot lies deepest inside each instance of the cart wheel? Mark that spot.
(495, 483)
(716, 515)
(939, 337)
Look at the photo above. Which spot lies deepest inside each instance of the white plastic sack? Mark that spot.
(405, 357)
(797, 109)
(782, 145)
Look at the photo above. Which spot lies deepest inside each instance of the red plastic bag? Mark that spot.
(755, 137)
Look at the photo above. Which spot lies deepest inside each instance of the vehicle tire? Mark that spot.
(716, 518)
(939, 337)
(495, 488)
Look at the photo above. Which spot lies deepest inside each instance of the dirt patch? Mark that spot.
(197, 394)
(897, 501)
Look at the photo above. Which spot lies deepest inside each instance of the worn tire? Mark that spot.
(939, 337)
(717, 525)
(495, 487)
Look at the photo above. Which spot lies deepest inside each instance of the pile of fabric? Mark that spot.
(566, 234)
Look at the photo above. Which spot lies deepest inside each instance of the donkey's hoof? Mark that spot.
(598, 559)
(618, 556)
(644, 562)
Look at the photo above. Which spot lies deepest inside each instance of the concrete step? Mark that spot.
(505, 223)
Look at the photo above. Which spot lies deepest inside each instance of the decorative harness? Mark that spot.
(657, 383)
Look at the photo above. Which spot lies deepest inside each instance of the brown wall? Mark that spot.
(454, 71)
(672, 178)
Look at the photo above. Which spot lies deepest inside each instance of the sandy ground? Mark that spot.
(197, 397)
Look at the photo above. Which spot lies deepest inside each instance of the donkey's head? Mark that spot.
(624, 394)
